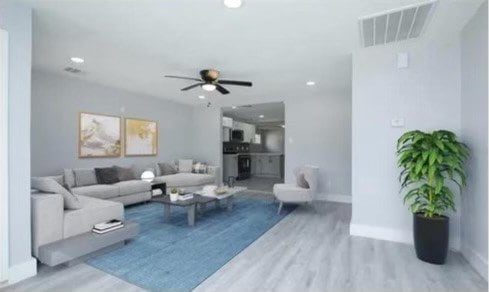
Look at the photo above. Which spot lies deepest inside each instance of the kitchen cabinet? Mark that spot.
(249, 130)
(266, 165)
(230, 166)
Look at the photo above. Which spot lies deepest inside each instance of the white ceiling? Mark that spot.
(273, 113)
(277, 44)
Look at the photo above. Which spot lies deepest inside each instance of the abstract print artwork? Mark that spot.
(99, 136)
(141, 137)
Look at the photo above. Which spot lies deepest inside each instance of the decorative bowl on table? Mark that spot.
(221, 190)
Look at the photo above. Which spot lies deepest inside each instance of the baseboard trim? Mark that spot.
(381, 233)
(334, 198)
(22, 271)
(478, 262)
(391, 234)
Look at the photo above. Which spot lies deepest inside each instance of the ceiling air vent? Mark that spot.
(396, 25)
(72, 70)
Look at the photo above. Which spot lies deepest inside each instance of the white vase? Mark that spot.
(173, 197)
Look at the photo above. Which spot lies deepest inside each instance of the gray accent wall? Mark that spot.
(427, 96)
(318, 132)
(474, 133)
(17, 20)
(57, 100)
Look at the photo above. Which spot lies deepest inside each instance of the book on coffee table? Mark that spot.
(107, 225)
(107, 230)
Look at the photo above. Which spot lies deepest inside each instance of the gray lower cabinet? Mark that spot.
(230, 166)
(266, 165)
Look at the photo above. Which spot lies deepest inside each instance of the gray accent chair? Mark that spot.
(295, 194)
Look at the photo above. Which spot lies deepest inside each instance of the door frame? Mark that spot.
(4, 161)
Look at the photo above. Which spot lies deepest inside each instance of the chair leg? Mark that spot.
(280, 208)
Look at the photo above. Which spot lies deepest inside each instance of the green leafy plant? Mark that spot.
(428, 162)
(174, 190)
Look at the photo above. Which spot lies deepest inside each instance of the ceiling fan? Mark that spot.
(209, 81)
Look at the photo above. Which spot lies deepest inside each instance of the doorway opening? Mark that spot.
(253, 138)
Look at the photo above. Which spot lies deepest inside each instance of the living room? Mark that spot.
(124, 107)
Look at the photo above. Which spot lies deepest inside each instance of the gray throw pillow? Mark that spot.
(167, 168)
(85, 177)
(300, 178)
(185, 165)
(106, 175)
(69, 177)
(125, 173)
(49, 185)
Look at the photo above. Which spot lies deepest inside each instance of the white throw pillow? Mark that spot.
(185, 165)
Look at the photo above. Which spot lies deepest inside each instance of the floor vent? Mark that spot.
(72, 70)
(396, 25)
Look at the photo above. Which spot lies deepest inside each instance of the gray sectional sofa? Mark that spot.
(52, 222)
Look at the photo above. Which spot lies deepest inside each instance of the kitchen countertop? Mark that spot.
(257, 154)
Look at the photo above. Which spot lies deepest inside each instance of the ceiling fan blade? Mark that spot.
(191, 86)
(221, 89)
(235, 82)
(182, 77)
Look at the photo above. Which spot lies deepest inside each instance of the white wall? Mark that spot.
(427, 95)
(17, 20)
(206, 139)
(318, 132)
(57, 101)
(474, 133)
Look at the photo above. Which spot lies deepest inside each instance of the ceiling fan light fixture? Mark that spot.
(208, 87)
(233, 3)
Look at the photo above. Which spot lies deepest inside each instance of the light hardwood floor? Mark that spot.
(309, 250)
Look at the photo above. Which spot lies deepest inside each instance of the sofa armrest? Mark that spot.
(47, 219)
(215, 171)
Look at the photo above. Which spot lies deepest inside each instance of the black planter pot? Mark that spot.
(431, 238)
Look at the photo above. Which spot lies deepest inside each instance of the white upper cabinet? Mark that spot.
(227, 122)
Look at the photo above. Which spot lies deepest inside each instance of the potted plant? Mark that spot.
(429, 162)
(174, 194)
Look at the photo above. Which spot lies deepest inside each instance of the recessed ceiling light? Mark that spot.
(232, 3)
(234, 107)
(77, 60)
(311, 83)
(283, 126)
(262, 116)
(201, 96)
(208, 87)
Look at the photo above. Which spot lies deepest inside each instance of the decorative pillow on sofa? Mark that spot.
(84, 177)
(50, 185)
(167, 168)
(107, 175)
(199, 167)
(124, 173)
(185, 165)
(301, 179)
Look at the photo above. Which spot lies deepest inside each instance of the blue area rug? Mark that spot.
(174, 256)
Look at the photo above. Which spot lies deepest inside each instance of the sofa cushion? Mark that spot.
(125, 173)
(132, 187)
(199, 167)
(93, 211)
(167, 168)
(106, 175)
(69, 177)
(97, 191)
(185, 165)
(84, 177)
(186, 179)
(50, 185)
